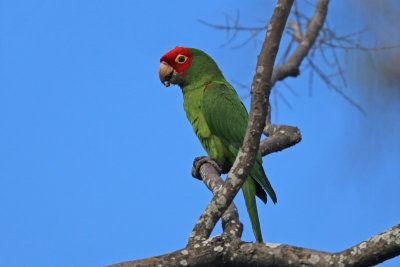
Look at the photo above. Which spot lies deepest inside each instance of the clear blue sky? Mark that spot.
(96, 154)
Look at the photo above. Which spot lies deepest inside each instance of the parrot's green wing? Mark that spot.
(227, 119)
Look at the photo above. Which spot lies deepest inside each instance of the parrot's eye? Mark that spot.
(181, 59)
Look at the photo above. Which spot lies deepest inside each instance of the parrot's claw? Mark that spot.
(197, 162)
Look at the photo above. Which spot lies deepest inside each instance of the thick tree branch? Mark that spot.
(227, 250)
(219, 251)
(291, 67)
(261, 87)
(230, 219)
(282, 136)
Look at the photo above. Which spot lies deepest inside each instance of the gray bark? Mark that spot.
(227, 249)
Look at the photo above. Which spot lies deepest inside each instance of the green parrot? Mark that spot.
(218, 117)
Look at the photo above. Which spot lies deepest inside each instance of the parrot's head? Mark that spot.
(183, 66)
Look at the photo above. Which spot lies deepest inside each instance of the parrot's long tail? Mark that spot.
(249, 193)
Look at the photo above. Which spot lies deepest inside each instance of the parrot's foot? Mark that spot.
(197, 162)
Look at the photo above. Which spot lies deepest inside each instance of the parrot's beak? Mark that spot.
(165, 72)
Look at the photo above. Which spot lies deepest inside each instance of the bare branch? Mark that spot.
(297, 35)
(227, 249)
(291, 67)
(230, 219)
(219, 251)
(359, 47)
(330, 85)
(236, 28)
(243, 164)
(279, 138)
(309, 45)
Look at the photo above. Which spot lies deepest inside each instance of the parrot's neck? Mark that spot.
(195, 86)
(200, 84)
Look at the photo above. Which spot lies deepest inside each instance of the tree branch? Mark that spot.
(291, 67)
(279, 138)
(218, 251)
(243, 164)
(230, 219)
(282, 136)
(227, 249)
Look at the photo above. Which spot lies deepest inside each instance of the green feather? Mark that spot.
(249, 193)
(219, 120)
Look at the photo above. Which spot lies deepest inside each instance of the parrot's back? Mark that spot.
(217, 116)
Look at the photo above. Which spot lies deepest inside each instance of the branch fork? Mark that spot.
(228, 249)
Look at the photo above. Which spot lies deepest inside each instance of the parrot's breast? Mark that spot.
(210, 142)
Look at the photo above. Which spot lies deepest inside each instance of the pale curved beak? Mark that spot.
(165, 73)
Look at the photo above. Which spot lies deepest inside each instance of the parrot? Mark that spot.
(218, 117)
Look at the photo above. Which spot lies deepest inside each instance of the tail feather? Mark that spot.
(249, 193)
(260, 193)
(258, 174)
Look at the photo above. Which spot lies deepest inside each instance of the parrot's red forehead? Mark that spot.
(171, 55)
(174, 56)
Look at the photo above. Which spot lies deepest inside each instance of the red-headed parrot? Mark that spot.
(218, 117)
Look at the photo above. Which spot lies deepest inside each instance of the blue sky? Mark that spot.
(96, 154)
